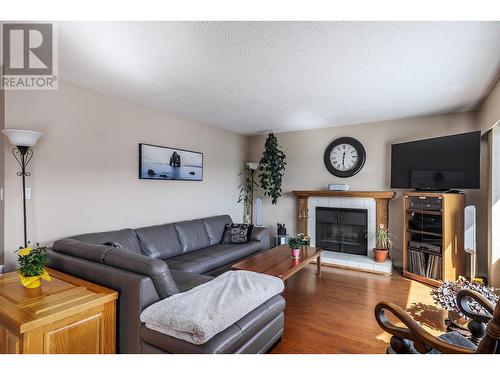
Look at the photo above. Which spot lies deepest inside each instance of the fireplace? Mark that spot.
(342, 230)
(375, 204)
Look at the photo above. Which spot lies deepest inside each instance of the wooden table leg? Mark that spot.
(318, 265)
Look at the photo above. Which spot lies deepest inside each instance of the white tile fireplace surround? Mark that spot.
(360, 262)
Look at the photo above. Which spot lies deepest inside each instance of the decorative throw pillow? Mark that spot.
(236, 233)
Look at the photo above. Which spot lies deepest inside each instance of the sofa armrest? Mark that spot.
(136, 292)
(261, 234)
(156, 269)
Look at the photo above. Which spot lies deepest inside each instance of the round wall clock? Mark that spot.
(345, 157)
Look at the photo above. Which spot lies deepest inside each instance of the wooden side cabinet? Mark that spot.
(433, 246)
(65, 316)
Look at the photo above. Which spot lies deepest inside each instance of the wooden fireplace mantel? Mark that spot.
(347, 194)
(382, 199)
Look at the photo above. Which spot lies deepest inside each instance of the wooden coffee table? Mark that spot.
(278, 261)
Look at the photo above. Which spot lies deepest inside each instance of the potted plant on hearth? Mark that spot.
(295, 243)
(383, 243)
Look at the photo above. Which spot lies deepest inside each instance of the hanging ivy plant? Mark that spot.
(272, 168)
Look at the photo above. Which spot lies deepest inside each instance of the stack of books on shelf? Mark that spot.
(433, 269)
(426, 247)
(424, 263)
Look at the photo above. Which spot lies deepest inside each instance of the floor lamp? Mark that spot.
(24, 140)
(252, 167)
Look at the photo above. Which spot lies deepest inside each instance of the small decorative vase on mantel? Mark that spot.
(383, 243)
(32, 266)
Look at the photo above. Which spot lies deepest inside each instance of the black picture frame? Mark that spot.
(161, 168)
(361, 157)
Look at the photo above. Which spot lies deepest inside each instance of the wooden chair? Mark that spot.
(413, 338)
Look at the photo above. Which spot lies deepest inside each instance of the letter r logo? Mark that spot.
(27, 48)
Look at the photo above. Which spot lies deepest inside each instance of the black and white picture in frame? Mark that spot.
(167, 163)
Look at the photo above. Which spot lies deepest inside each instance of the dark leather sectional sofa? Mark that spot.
(148, 264)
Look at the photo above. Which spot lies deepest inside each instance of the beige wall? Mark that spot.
(305, 168)
(489, 111)
(85, 167)
(487, 116)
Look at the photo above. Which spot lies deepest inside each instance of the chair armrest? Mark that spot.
(423, 341)
(462, 301)
(261, 234)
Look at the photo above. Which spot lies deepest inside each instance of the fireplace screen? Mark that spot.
(342, 230)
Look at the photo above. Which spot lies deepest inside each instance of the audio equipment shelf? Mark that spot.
(425, 212)
(433, 249)
(432, 234)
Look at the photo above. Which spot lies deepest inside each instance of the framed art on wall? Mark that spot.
(166, 163)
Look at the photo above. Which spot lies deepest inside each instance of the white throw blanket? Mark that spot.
(202, 312)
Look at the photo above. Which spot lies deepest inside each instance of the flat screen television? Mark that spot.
(442, 163)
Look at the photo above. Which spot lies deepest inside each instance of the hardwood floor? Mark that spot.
(334, 313)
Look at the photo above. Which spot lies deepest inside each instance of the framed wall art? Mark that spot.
(167, 163)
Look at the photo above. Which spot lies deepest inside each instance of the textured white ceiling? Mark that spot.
(255, 76)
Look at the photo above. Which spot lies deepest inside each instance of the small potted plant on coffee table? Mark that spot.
(295, 243)
(383, 243)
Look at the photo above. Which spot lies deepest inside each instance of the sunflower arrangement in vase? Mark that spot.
(32, 266)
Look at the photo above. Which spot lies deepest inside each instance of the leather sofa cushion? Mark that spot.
(188, 280)
(215, 227)
(156, 269)
(226, 341)
(259, 234)
(159, 241)
(126, 238)
(192, 235)
(84, 250)
(212, 257)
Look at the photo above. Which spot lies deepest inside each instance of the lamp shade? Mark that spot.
(26, 138)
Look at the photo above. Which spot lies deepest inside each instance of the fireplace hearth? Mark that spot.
(342, 230)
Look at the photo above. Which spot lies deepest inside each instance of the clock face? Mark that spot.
(344, 157)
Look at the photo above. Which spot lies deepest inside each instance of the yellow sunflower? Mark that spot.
(25, 251)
